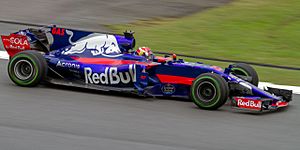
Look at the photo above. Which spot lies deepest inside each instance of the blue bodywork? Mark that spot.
(75, 59)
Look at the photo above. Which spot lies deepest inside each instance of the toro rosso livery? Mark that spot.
(109, 62)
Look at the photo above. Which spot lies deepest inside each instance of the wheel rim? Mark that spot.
(23, 69)
(206, 91)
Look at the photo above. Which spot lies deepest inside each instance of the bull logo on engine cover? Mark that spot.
(97, 44)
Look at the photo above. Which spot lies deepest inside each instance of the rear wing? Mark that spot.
(15, 43)
(51, 38)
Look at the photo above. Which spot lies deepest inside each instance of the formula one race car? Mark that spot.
(108, 62)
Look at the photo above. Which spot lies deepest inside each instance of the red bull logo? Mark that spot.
(111, 75)
(248, 103)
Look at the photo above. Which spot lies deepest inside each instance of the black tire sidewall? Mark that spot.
(250, 71)
(222, 91)
(39, 68)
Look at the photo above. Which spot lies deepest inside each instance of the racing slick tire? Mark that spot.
(245, 70)
(209, 91)
(27, 68)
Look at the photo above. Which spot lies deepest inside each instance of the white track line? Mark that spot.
(3, 55)
(296, 89)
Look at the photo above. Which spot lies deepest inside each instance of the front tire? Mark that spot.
(242, 69)
(27, 68)
(209, 91)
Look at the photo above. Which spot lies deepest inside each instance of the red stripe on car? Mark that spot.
(175, 79)
(108, 61)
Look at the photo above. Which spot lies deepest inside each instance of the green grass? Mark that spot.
(263, 31)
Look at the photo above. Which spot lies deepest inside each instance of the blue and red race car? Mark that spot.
(109, 62)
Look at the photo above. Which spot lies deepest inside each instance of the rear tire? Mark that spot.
(245, 70)
(209, 91)
(27, 68)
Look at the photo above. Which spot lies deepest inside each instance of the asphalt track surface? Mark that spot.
(63, 118)
(50, 117)
(93, 14)
(54, 117)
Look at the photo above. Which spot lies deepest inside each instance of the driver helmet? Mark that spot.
(144, 51)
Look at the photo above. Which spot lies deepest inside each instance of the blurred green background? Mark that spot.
(263, 31)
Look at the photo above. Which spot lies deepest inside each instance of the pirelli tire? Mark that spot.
(27, 68)
(209, 91)
(246, 70)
